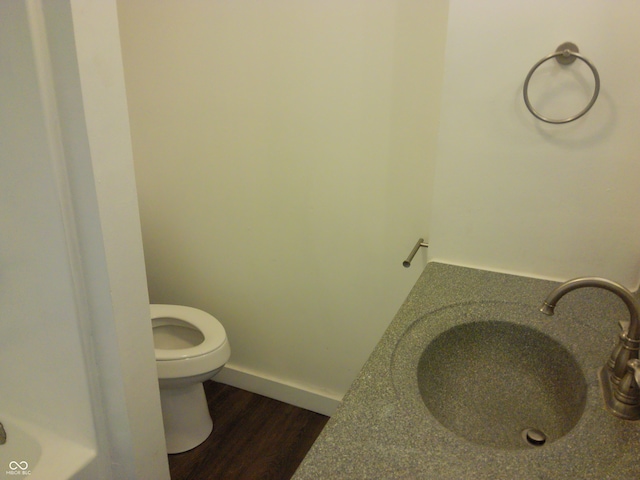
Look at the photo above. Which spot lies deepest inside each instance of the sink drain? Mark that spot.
(534, 437)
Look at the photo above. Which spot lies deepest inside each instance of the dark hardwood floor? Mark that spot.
(254, 437)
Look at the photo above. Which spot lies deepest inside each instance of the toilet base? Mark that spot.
(187, 422)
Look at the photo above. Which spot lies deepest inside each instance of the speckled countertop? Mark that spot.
(382, 430)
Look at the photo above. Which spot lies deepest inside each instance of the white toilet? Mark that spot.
(191, 347)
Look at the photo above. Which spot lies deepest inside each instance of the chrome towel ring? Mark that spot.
(565, 54)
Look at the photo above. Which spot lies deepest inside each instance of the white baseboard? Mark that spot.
(269, 387)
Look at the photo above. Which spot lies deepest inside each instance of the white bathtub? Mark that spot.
(35, 453)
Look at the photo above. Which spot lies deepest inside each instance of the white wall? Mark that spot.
(106, 205)
(284, 158)
(518, 195)
(77, 349)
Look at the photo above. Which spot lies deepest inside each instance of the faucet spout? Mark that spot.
(625, 295)
(625, 354)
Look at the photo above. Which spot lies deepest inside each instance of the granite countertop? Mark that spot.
(382, 430)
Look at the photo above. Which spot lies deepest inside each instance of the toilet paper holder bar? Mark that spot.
(419, 243)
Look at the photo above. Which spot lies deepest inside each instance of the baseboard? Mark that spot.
(278, 390)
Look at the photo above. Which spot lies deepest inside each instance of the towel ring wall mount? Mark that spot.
(565, 54)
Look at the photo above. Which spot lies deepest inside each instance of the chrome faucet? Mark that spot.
(620, 377)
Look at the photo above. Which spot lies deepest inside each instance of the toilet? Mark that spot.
(191, 346)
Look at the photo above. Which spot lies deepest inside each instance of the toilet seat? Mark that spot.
(209, 326)
(212, 353)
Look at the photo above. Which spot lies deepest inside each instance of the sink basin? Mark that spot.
(493, 373)
(501, 384)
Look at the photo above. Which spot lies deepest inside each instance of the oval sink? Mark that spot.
(488, 373)
(495, 383)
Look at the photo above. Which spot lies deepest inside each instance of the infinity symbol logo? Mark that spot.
(13, 465)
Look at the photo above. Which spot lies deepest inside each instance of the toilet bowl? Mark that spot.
(191, 346)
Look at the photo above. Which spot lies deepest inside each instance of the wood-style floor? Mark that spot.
(254, 437)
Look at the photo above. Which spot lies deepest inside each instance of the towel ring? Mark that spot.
(565, 54)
